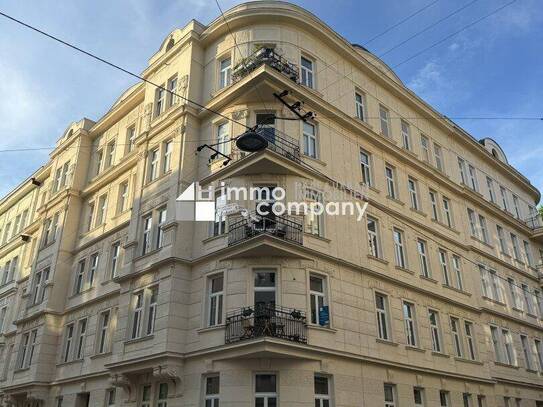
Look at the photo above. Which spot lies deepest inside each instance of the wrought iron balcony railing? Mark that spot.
(266, 56)
(266, 320)
(286, 227)
(534, 220)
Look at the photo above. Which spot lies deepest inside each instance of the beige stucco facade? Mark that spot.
(433, 297)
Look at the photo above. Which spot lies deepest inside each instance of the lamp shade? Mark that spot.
(251, 141)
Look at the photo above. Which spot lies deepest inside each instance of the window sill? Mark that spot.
(138, 340)
(395, 200)
(21, 369)
(150, 253)
(314, 159)
(502, 364)
(494, 301)
(379, 259)
(324, 239)
(415, 348)
(81, 293)
(430, 279)
(322, 328)
(371, 187)
(101, 355)
(532, 371)
(482, 242)
(440, 354)
(155, 180)
(386, 342)
(216, 237)
(211, 328)
(474, 362)
(458, 290)
(70, 362)
(417, 211)
(404, 270)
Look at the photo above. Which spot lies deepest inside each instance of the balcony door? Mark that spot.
(264, 289)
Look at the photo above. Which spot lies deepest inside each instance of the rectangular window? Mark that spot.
(266, 390)
(101, 210)
(381, 307)
(391, 181)
(40, 282)
(490, 186)
(212, 389)
(438, 157)
(360, 105)
(470, 339)
(145, 396)
(390, 395)
(219, 225)
(516, 248)
(528, 301)
(223, 138)
(80, 339)
(123, 199)
(435, 331)
(31, 347)
(225, 72)
(447, 212)
(516, 206)
(505, 204)
(474, 184)
(538, 302)
(501, 238)
(80, 276)
(23, 350)
(384, 117)
(528, 253)
(172, 88)
(425, 148)
(433, 204)
(137, 315)
(162, 214)
(466, 398)
(306, 69)
(90, 216)
(365, 165)
(539, 353)
(98, 162)
(264, 290)
(93, 267)
(457, 267)
(406, 135)
(110, 397)
(114, 261)
(462, 168)
(399, 250)
(151, 310)
(483, 229)
(423, 257)
(410, 325)
(444, 264)
(162, 399)
(513, 292)
(167, 157)
(3, 312)
(317, 297)
(418, 396)
(310, 140)
(314, 223)
(147, 228)
(474, 230)
(68, 338)
(58, 178)
(153, 164)
(526, 352)
(216, 298)
(373, 237)
(130, 138)
(322, 391)
(457, 337)
(510, 356)
(444, 398)
(110, 154)
(413, 194)
(104, 321)
(160, 100)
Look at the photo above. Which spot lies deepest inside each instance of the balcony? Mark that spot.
(266, 56)
(534, 221)
(282, 144)
(266, 321)
(285, 227)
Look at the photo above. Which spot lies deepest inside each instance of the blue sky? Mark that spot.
(491, 69)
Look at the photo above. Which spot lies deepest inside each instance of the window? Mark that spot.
(122, 201)
(474, 230)
(433, 204)
(151, 309)
(162, 213)
(90, 216)
(390, 395)
(406, 135)
(528, 300)
(490, 284)
(101, 211)
(412, 187)
(153, 164)
(3, 312)
(384, 117)
(483, 229)
(438, 157)
(490, 186)
(444, 398)
(501, 238)
(391, 181)
(172, 88)
(80, 276)
(528, 253)
(447, 212)
(470, 339)
(80, 339)
(466, 398)
(425, 148)
(538, 302)
(457, 337)
(527, 352)
(317, 297)
(110, 154)
(418, 396)
(98, 161)
(310, 140)
(510, 357)
(93, 267)
(424, 265)
(503, 193)
(473, 178)
(322, 391)
(399, 251)
(306, 69)
(57, 180)
(539, 353)
(114, 261)
(360, 105)
(40, 281)
(167, 158)
(219, 225)
(137, 315)
(462, 168)
(130, 139)
(145, 396)
(160, 95)
(147, 228)
(373, 237)
(457, 267)
(481, 400)
(68, 338)
(225, 72)
(516, 206)
(264, 289)
(23, 350)
(162, 399)
(435, 331)
(365, 165)
(110, 397)
(444, 264)
(266, 390)
(516, 249)
(223, 138)
(104, 321)
(216, 296)
(381, 307)
(59, 401)
(409, 320)
(211, 397)
(314, 223)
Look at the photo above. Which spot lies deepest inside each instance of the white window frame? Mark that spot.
(384, 119)
(383, 320)
(310, 138)
(422, 250)
(438, 157)
(360, 105)
(167, 156)
(374, 244)
(435, 331)
(213, 398)
(399, 248)
(322, 400)
(225, 72)
(317, 298)
(457, 339)
(471, 340)
(103, 335)
(444, 265)
(406, 135)
(390, 176)
(410, 323)
(366, 167)
(413, 193)
(215, 301)
(307, 73)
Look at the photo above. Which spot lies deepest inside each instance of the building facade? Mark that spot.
(432, 299)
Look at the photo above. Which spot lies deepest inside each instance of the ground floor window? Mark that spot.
(266, 390)
(212, 391)
(322, 391)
